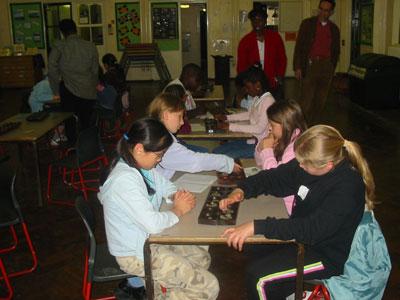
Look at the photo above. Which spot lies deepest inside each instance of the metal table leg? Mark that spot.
(147, 271)
(37, 168)
(300, 272)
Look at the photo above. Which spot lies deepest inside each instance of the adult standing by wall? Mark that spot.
(315, 57)
(73, 75)
(265, 46)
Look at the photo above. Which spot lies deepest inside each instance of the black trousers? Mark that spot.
(83, 109)
(271, 270)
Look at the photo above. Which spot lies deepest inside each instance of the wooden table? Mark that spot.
(188, 231)
(203, 135)
(217, 95)
(31, 132)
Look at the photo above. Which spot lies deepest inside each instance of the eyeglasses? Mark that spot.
(159, 155)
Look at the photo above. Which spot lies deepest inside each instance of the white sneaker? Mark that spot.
(56, 140)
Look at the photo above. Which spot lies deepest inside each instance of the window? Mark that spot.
(90, 22)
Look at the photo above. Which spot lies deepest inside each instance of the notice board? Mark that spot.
(165, 25)
(127, 19)
(27, 24)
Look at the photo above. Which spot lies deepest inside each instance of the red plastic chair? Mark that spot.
(319, 292)
(11, 215)
(89, 152)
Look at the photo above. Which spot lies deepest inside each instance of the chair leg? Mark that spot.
(33, 253)
(326, 293)
(48, 190)
(15, 241)
(83, 185)
(6, 281)
(317, 291)
(314, 292)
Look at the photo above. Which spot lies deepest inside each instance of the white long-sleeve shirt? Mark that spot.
(180, 158)
(129, 214)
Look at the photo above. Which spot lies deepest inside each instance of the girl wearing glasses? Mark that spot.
(131, 197)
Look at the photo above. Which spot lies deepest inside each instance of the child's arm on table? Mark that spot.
(239, 234)
(236, 195)
(184, 201)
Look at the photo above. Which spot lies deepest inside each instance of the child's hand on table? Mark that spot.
(223, 125)
(184, 201)
(237, 195)
(238, 235)
(220, 117)
(237, 168)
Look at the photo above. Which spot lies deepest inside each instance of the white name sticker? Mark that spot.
(302, 192)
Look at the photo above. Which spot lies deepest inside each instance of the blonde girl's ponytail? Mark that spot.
(357, 159)
(322, 144)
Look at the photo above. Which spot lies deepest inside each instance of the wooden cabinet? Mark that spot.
(20, 71)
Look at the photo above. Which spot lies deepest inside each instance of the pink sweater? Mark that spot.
(257, 115)
(267, 160)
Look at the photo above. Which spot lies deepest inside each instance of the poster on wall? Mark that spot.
(165, 25)
(127, 19)
(367, 23)
(27, 24)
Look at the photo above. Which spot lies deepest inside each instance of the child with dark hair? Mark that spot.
(115, 76)
(241, 98)
(190, 80)
(131, 196)
(257, 86)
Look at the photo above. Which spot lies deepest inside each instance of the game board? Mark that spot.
(6, 127)
(211, 214)
(232, 178)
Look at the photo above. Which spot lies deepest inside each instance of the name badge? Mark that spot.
(302, 192)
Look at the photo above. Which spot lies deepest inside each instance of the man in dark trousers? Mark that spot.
(73, 76)
(315, 58)
(265, 46)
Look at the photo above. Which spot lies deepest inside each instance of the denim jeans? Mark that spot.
(236, 149)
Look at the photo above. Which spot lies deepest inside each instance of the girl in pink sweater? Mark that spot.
(286, 124)
(257, 86)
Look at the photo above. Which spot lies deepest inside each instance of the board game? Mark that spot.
(6, 127)
(232, 178)
(211, 214)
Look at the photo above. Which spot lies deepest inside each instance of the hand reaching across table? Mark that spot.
(237, 195)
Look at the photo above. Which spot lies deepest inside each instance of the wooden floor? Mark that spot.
(58, 234)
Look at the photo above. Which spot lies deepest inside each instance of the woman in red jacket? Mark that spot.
(265, 46)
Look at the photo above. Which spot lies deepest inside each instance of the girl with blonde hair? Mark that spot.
(169, 109)
(332, 184)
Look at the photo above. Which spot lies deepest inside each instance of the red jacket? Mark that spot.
(274, 54)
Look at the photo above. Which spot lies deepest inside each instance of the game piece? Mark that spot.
(232, 178)
(211, 214)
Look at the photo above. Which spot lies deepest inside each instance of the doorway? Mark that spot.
(54, 13)
(194, 35)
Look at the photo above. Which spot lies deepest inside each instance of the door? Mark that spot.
(54, 13)
(194, 34)
(355, 29)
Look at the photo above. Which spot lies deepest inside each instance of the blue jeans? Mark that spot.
(195, 148)
(236, 149)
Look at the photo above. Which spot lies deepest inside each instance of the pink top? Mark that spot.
(267, 160)
(256, 115)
